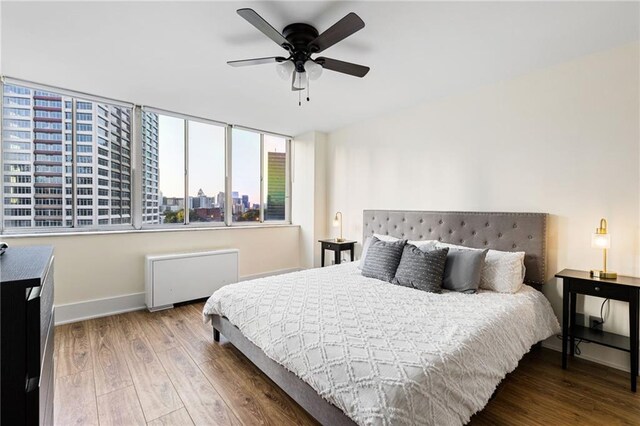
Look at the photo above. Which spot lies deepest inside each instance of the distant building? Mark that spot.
(209, 214)
(39, 170)
(276, 186)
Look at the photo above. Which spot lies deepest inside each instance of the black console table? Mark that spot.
(26, 336)
(626, 289)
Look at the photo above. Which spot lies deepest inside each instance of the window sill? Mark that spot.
(182, 228)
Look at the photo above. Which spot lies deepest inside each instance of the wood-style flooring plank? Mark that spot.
(72, 341)
(173, 349)
(204, 404)
(177, 418)
(155, 330)
(75, 400)
(120, 407)
(154, 388)
(110, 368)
(193, 339)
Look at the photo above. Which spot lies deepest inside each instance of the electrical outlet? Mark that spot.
(594, 322)
(579, 319)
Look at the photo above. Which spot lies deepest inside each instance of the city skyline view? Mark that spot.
(64, 169)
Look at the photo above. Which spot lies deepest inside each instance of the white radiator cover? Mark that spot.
(175, 278)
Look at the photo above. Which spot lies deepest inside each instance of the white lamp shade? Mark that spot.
(301, 80)
(284, 69)
(336, 221)
(313, 70)
(601, 241)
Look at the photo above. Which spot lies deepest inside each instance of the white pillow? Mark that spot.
(424, 245)
(503, 271)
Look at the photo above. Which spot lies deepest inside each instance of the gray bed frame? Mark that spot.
(499, 231)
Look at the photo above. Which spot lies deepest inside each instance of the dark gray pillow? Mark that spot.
(421, 270)
(382, 259)
(463, 270)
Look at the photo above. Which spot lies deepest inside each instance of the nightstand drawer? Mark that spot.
(599, 289)
(330, 246)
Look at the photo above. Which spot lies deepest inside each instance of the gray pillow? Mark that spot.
(463, 270)
(421, 270)
(382, 259)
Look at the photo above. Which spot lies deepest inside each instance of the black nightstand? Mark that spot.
(626, 289)
(337, 248)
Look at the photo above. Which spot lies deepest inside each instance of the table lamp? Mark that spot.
(602, 240)
(337, 221)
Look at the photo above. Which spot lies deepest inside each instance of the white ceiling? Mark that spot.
(172, 55)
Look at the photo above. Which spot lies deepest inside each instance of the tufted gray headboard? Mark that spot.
(499, 231)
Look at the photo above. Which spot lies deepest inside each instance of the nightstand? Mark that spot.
(337, 247)
(626, 289)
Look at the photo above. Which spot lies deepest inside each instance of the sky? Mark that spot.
(206, 158)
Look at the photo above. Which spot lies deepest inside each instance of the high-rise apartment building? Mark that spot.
(150, 167)
(42, 168)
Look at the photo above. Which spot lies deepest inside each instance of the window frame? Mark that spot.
(137, 196)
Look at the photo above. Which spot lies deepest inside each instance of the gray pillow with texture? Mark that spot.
(382, 259)
(463, 270)
(421, 270)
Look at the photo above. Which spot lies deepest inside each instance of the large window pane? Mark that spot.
(245, 193)
(150, 190)
(206, 172)
(170, 158)
(34, 177)
(103, 157)
(275, 177)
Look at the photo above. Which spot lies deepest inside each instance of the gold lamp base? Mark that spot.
(340, 240)
(603, 274)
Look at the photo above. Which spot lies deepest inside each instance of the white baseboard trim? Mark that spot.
(96, 308)
(557, 346)
(270, 273)
(80, 311)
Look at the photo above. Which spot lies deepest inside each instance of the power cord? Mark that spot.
(576, 349)
(601, 322)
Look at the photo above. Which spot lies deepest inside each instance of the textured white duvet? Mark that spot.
(386, 354)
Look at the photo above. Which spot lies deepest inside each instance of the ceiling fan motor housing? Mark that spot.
(299, 36)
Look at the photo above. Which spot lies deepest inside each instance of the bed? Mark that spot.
(356, 350)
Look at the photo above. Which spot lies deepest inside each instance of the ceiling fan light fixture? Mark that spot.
(314, 71)
(284, 69)
(300, 81)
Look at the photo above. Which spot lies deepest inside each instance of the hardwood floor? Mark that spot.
(164, 369)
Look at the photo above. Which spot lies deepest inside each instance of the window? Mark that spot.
(15, 112)
(245, 168)
(168, 177)
(206, 172)
(40, 153)
(56, 177)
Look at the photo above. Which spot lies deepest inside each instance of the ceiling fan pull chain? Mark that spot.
(299, 97)
(308, 85)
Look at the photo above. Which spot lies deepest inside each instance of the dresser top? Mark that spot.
(584, 275)
(24, 265)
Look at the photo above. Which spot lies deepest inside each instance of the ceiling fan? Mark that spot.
(301, 41)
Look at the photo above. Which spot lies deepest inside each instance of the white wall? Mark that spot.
(563, 140)
(111, 265)
(308, 194)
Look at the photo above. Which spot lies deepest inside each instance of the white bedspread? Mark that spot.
(386, 354)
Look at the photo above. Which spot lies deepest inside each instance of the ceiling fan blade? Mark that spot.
(343, 67)
(338, 32)
(256, 61)
(258, 21)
